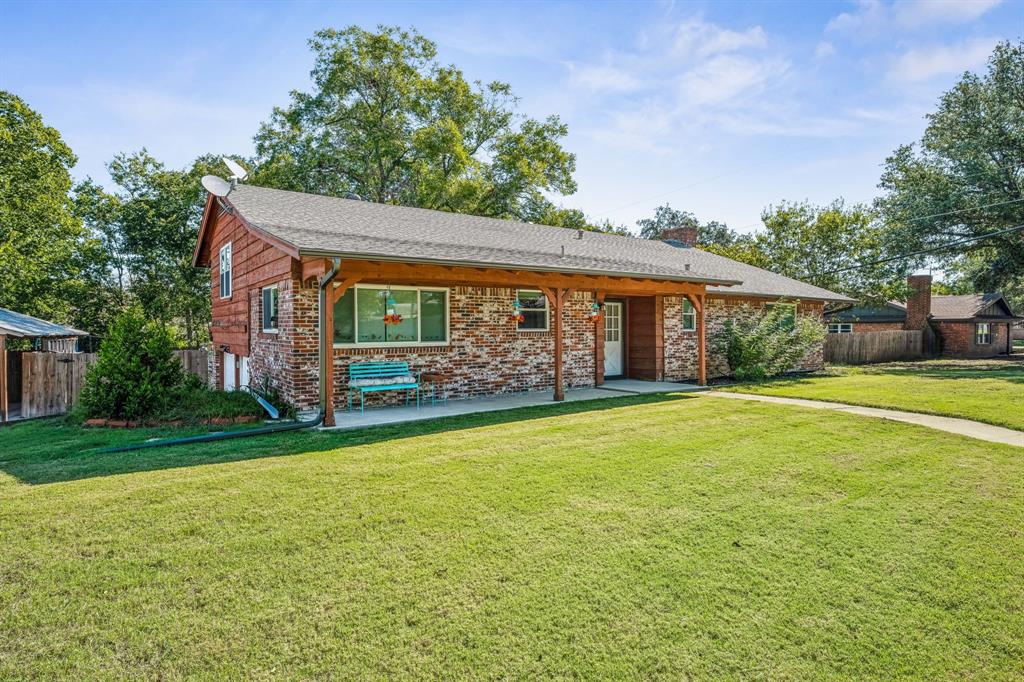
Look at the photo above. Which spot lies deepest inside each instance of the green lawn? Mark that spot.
(990, 391)
(652, 537)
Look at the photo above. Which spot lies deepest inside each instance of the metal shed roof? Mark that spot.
(18, 324)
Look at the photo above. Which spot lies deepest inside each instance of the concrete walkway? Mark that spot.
(961, 427)
(613, 388)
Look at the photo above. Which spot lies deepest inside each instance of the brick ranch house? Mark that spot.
(967, 326)
(590, 306)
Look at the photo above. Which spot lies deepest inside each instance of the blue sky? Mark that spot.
(717, 108)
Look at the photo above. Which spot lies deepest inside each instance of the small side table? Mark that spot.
(436, 380)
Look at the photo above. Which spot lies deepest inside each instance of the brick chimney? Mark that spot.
(686, 236)
(919, 304)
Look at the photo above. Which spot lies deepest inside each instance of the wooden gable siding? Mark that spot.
(254, 265)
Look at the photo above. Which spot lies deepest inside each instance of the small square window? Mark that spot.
(270, 309)
(840, 328)
(534, 307)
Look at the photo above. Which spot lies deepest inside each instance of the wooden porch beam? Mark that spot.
(339, 290)
(313, 269)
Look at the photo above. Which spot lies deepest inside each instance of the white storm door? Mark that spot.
(243, 372)
(612, 339)
(229, 372)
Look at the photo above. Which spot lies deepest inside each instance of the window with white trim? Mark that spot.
(983, 333)
(225, 271)
(534, 307)
(840, 328)
(689, 316)
(421, 314)
(269, 308)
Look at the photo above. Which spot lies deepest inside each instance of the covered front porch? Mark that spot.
(633, 350)
(612, 388)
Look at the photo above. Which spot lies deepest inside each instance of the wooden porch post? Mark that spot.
(556, 299)
(702, 370)
(328, 314)
(333, 295)
(3, 378)
(599, 344)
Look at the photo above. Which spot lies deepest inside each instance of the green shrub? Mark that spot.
(135, 372)
(762, 344)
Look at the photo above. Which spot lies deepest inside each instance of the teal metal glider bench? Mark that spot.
(367, 377)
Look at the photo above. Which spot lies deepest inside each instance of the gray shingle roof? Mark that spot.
(17, 324)
(320, 225)
(962, 307)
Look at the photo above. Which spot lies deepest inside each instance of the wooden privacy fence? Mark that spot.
(195, 360)
(51, 382)
(862, 348)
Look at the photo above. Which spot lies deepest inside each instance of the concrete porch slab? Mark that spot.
(616, 388)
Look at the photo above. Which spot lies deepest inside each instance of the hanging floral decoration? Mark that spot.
(517, 314)
(390, 316)
(595, 312)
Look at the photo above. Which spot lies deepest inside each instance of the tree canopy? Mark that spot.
(833, 246)
(965, 178)
(806, 242)
(387, 122)
(39, 234)
(148, 230)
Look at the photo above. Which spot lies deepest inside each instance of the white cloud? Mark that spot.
(874, 17)
(681, 80)
(604, 77)
(930, 12)
(920, 64)
(824, 50)
(726, 77)
(696, 37)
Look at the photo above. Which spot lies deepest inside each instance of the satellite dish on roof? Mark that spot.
(218, 187)
(237, 171)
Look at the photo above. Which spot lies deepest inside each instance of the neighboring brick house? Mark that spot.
(497, 306)
(967, 326)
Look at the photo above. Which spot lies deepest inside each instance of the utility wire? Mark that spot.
(964, 210)
(1016, 228)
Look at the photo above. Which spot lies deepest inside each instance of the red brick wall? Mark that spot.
(957, 340)
(486, 354)
(681, 347)
(919, 304)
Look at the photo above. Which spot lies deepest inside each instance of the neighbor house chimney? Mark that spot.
(686, 236)
(919, 304)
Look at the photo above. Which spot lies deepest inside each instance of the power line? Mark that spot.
(904, 256)
(964, 210)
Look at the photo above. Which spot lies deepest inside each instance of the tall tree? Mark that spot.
(712, 236)
(386, 121)
(965, 178)
(147, 230)
(836, 247)
(39, 233)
